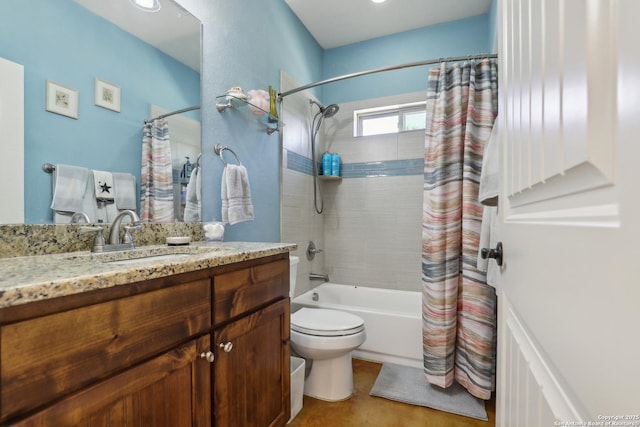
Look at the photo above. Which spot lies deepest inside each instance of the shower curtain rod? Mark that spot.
(389, 68)
(162, 116)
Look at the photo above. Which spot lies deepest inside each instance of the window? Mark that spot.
(389, 119)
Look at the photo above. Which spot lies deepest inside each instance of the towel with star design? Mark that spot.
(103, 182)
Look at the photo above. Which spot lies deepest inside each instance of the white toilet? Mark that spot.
(325, 338)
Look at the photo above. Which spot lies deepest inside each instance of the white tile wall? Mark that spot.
(299, 222)
(371, 227)
(372, 232)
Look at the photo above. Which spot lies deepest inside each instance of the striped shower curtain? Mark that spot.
(459, 308)
(156, 180)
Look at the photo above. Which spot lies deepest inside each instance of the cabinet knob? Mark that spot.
(207, 355)
(227, 347)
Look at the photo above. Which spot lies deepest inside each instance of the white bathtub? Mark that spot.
(393, 319)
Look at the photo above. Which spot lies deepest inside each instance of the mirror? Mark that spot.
(152, 59)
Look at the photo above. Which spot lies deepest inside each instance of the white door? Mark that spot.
(569, 288)
(11, 142)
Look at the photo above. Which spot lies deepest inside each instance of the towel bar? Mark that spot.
(48, 167)
(218, 149)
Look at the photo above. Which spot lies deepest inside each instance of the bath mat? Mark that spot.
(408, 385)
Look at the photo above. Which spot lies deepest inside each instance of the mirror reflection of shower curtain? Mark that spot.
(459, 308)
(156, 183)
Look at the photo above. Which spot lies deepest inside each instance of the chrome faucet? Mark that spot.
(100, 243)
(77, 216)
(316, 276)
(114, 234)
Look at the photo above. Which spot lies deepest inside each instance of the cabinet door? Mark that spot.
(171, 390)
(251, 380)
(83, 345)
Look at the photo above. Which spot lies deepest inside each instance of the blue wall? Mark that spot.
(246, 44)
(61, 41)
(463, 37)
(240, 50)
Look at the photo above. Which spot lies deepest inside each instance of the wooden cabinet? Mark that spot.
(47, 357)
(251, 336)
(170, 390)
(251, 379)
(132, 355)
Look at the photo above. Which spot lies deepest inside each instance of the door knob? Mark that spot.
(493, 253)
(227, 347)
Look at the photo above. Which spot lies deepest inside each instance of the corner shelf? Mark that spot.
(235, 102)
(329, 178)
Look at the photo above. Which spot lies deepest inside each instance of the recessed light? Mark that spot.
(147, 5)
(378, 1)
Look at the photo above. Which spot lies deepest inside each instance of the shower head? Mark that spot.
(328, 111)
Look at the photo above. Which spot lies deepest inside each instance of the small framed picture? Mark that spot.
(61, 99)
(107, 95)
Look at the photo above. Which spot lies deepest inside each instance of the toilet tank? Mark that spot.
(293, 271)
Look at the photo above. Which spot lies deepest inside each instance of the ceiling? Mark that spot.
(335, 23)
(332, 23)
(180, 34)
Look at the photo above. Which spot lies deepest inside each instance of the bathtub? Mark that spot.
(392, 319)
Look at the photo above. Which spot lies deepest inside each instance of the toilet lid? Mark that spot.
(325, 322)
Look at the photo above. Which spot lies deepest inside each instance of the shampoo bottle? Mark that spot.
(335, 164)
(326, 164)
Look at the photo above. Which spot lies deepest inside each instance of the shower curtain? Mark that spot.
(459, 308)
(156, 179)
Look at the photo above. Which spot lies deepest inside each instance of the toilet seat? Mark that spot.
(326, 323)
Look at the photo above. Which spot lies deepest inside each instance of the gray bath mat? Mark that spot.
(408, 385)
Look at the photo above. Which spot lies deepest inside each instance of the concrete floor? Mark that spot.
(365, 410)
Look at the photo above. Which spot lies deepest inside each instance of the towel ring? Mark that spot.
(219, 149)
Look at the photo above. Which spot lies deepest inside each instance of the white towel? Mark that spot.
(236, 195)
(103, 182)
(124, 189)
(69, 185)
(490, 176)
(488, 196)
(488, 240)
(194, 190)
(88, 205)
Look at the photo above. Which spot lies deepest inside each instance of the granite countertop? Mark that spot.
(40, 277)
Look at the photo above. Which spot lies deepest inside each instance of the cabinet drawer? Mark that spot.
(47, 357)
(173, 389)
(241, 291)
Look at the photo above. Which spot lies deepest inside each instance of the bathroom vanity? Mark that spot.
(195, 336)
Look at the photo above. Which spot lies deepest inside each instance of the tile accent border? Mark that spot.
(299, 163)
(383, 168)
(405, 167)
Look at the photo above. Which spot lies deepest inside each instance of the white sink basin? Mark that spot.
(142, 254)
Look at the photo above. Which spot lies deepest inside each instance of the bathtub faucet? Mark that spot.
(316, 276)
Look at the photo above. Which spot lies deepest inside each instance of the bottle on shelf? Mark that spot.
(335, 164)
(187, 168)
(326, 163)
